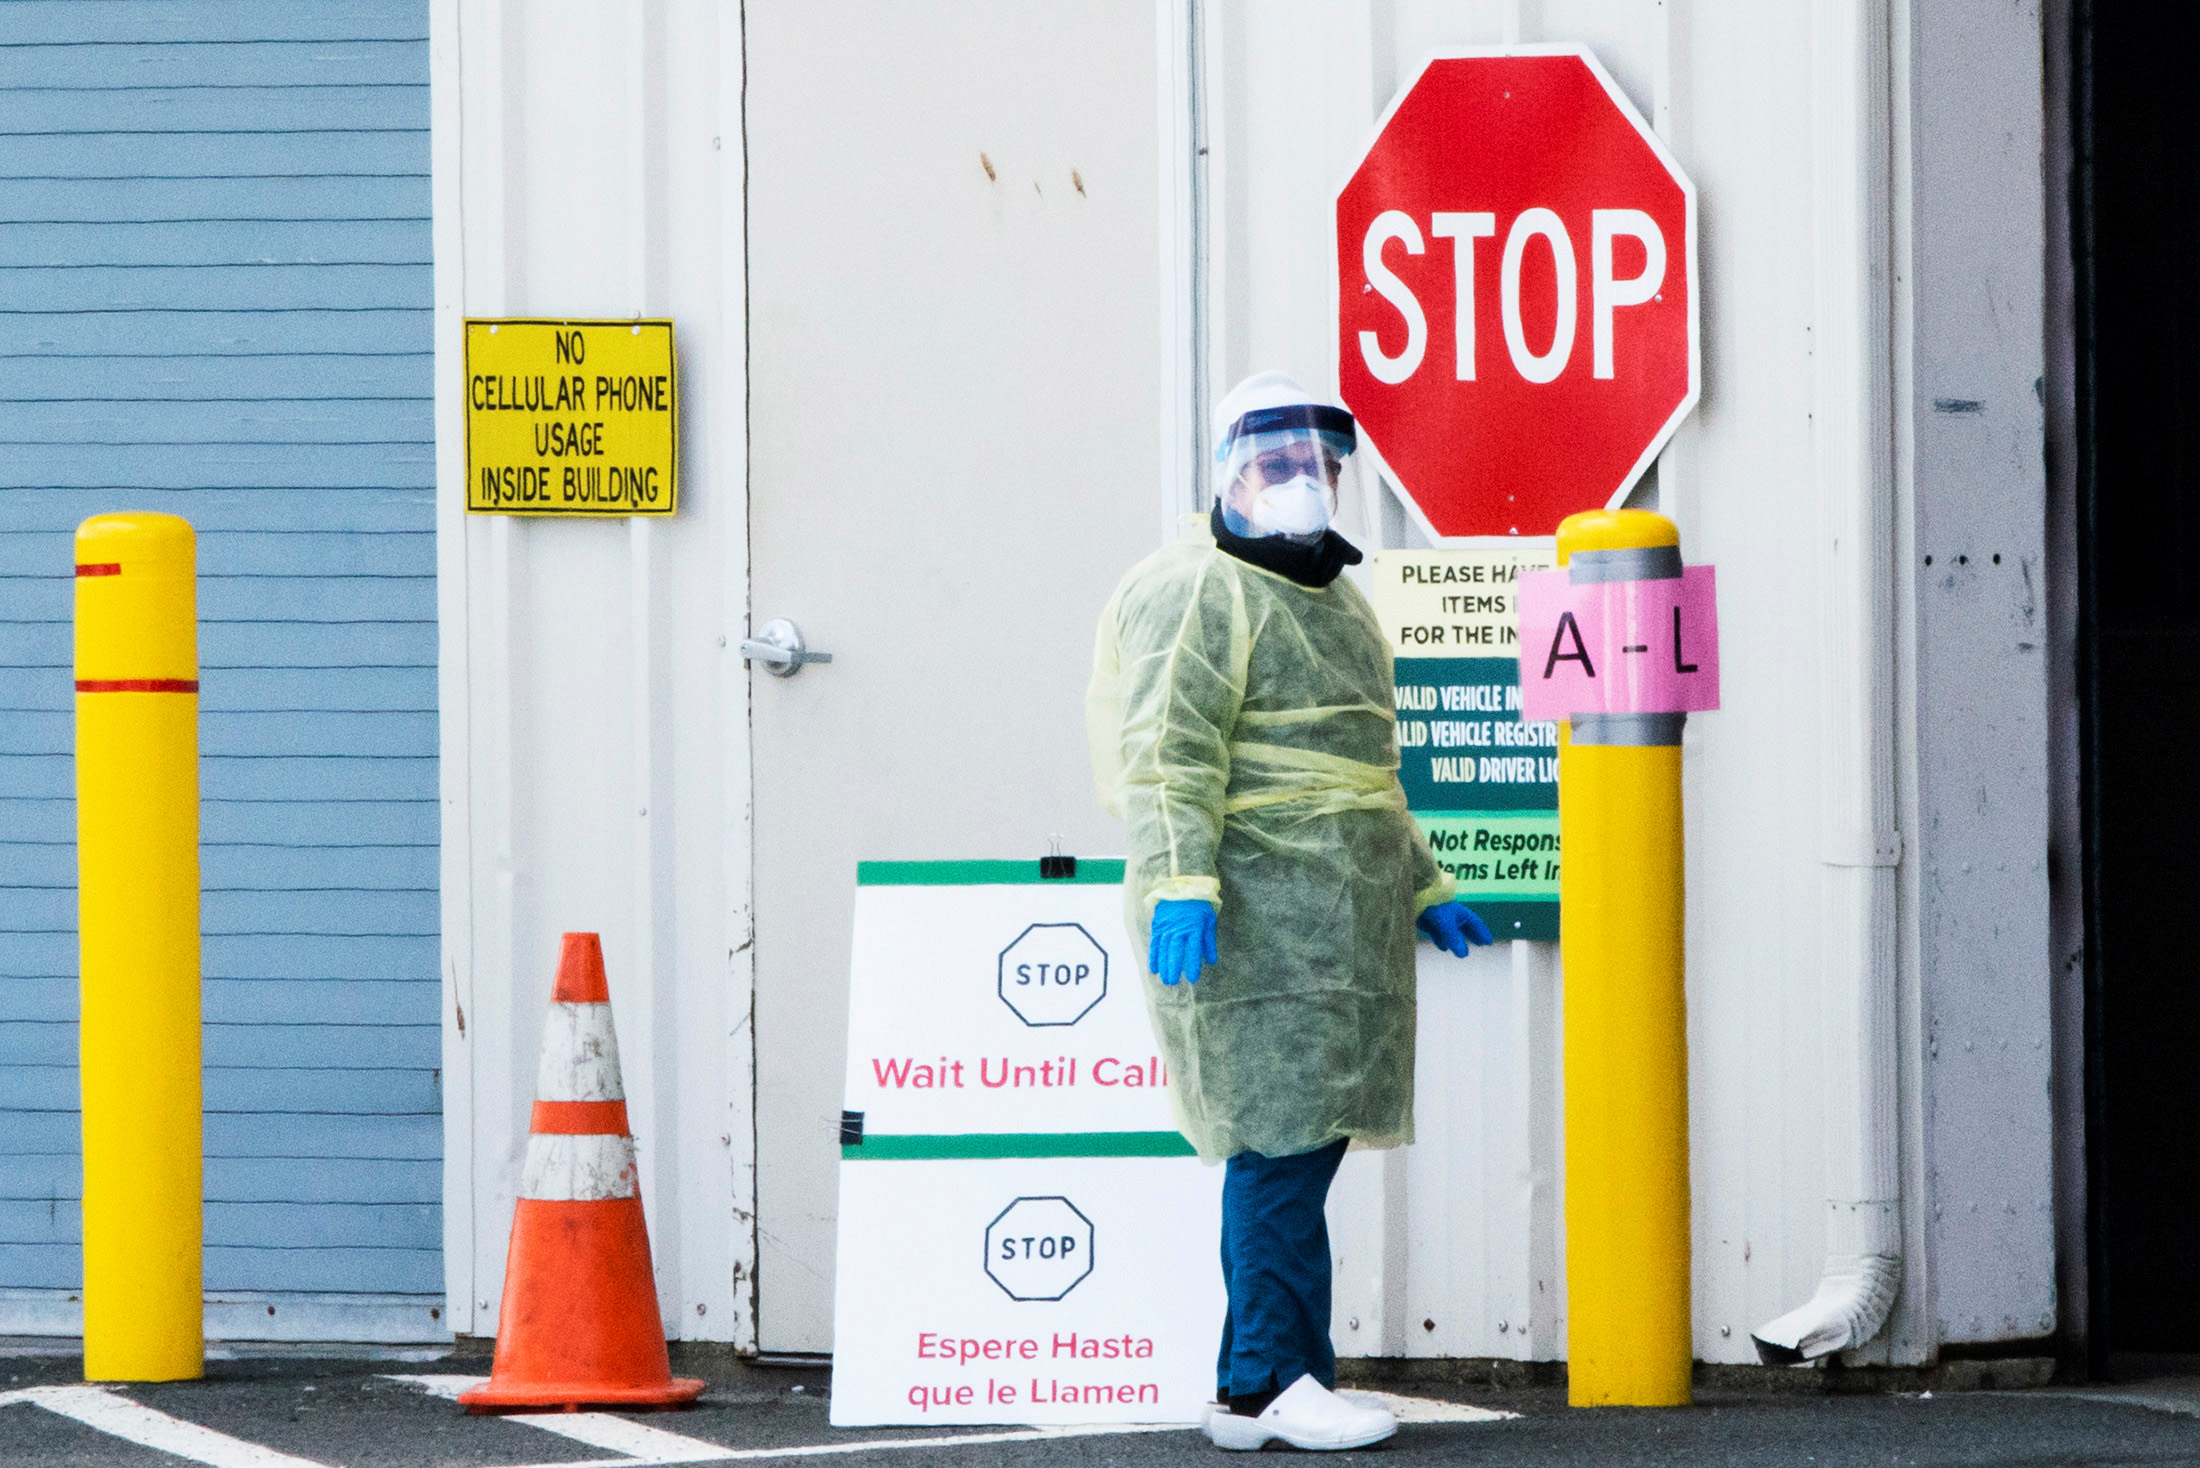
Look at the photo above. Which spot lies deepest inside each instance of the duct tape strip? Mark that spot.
(1630, 563)
(1628, 730)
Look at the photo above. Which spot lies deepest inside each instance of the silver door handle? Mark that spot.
(778, 645)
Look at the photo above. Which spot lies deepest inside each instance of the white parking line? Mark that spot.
(638, 1440)
(639, 1444)
(100, 1409)
(1426, 1409)
(651, 1446)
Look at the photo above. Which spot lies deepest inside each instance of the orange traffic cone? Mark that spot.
(580, 1323)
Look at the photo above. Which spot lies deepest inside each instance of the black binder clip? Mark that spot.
(1057, 867)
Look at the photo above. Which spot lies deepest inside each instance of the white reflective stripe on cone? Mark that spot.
(569, 1169)
(580, 1055)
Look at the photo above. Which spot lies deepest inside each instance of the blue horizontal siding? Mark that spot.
(247, 956)
(124, 154)
(254, 645)
(225, 645)
(299, 1090)
(34, 1222)
(320, 868)
(199, 62)
(40, 821)
(309, 822)
(394, 465)
(298, 732)
(317, 421)
(320, 1180)
(414, 1002)
(222, 511)
(403, 690)
(234, 1135)
(325, 1226)
(38, 1178)
(409, 330)
(311, 1269)
(28, 1046)
(57, 1176)
(274, 778)
(329, 106)
(216, 300)
(385, 598)
(204, 244)
(147, 200)
(251, 1266)
(254, 1225)
(210, 287)
(263, 1089)
(74, 24)
(44, 1044)
(380, 1046)
(248, 868)
(300, 779)
(251, 732)
(394, 1137)
(291, 376)
(41, 1267)
(353, 912)
(287, 955)
(34, 1000)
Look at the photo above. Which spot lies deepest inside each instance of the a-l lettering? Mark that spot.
(1580, 654)
(1678, 665)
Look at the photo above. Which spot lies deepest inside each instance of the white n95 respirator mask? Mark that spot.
(1301, 506)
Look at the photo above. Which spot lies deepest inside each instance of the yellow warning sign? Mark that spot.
(570, 418)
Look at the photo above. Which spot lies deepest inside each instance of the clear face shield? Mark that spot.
(1287, 480)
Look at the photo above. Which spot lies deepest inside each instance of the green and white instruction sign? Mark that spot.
(1481, 781)
(1020, 1220)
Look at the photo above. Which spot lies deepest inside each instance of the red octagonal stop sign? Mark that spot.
(1516, 262)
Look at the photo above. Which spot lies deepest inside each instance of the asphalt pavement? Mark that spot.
(359, 1411)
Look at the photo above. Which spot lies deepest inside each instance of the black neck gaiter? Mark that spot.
(1316, 564)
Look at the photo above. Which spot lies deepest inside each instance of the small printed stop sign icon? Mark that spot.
(1516, 257)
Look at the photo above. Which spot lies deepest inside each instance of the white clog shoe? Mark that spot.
(1306, 1415)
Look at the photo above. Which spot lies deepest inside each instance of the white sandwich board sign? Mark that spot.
(1024, 1235)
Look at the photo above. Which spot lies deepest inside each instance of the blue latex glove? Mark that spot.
(1452, 926)
(1183, 940)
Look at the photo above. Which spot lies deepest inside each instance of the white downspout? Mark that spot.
(1853, 470)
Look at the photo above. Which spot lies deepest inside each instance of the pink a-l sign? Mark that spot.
(1618, 647)
(1517, 306)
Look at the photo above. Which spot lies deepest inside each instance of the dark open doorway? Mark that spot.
(2136, 208)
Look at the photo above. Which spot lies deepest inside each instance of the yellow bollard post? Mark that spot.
(137, 853)
(1626, 1044)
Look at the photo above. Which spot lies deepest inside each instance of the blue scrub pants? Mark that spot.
(1275, 1266)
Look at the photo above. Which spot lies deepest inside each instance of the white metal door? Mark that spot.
(953, 297)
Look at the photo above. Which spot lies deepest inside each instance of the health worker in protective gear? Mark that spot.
(1243, 726)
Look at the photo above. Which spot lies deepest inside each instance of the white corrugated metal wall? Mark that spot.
(588, 164)
(1453, 1248)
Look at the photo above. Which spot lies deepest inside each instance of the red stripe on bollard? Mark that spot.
(137, 685)
(99, 568)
